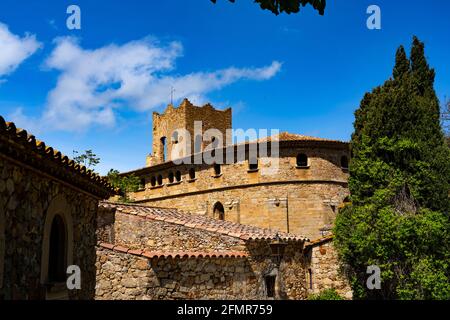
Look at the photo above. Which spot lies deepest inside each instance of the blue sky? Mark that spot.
(96, 88)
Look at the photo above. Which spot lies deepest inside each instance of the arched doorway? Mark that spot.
(219, 211)
(57, 257)
(57, 248)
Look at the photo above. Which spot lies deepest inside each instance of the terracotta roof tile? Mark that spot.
(287, 136)
(244, 232)
(174, 254)
(19, 140)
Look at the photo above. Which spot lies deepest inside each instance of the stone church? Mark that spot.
(237, 229)
(301, 197)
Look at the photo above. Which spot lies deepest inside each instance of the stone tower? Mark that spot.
(166, 128)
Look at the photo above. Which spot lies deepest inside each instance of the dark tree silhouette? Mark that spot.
(288, 6)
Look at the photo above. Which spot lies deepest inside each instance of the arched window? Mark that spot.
(302, 160)
(178, 176)
(219, 211)
(57, 256)
(217, 169)
(160, 180)
(192, 174)
(170, 177)
(142, 184)
(344, 162)
(253, 164)
(153, 181)
(57, 243)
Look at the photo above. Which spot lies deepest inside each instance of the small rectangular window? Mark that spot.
(270, 286)
(310, 279)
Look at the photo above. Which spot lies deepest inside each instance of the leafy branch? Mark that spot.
(288, 6)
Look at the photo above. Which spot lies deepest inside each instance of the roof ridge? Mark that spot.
(233, 229)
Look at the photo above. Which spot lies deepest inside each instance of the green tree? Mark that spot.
(446, 120)
(288, 6)
(87, 159)
(399, 183)
(126, 184)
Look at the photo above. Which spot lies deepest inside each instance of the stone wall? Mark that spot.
(134, 277)
(26, 197)
(153, 259)
(298, 200)
(323, 269)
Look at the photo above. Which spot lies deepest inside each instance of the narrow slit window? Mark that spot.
(344, 162)
(178, 176)
(192, 174)
(253, 164)
(302, 160)
(217, 169)
(270, 286)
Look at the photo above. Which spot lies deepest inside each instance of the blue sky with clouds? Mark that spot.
(96, 88)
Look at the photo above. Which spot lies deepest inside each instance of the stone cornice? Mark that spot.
(243, 186)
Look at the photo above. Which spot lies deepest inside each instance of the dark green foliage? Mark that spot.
(126, 184)
(329, 294)
(446, 120)
(288, 6)
(399, 184)
(401, 64)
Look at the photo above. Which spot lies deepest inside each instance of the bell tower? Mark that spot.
(185, 116)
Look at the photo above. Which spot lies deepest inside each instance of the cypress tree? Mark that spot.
(401, 63)
(399, 184)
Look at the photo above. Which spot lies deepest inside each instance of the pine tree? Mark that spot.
(399, 183)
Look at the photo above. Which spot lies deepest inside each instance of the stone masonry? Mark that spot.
(173, 255)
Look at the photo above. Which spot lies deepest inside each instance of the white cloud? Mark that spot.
(94, 84)
(14, 50)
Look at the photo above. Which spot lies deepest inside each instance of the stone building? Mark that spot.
(322, 268)
(301, 196)
(48, 211)
(236, 229)
(159, 253)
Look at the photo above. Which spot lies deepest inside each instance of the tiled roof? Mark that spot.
(319, 241)
(244, 232)
(24, 147)
(287, 136)
(177, 254)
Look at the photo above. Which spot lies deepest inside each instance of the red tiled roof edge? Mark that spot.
(179, 254)
(40, 151)
(243, 236)
(319, 241)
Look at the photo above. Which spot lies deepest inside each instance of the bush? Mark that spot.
(328, 294)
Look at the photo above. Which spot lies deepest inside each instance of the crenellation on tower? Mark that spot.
(169, 125)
